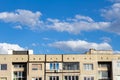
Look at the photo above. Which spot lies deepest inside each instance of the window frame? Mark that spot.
(71, 66)
(54, 78)
(118, 64)
(3, 66)
(71, 77)
(88, 66)
(102, 76)
(36, 78)
(54, 66)
(88, 77)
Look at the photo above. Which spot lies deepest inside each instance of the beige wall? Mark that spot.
(35, 73)
(5, 59)
(46, 59)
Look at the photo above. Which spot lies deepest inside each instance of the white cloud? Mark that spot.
(4, 47)
(77, 24)
(106, 39)
(116, 51)
(46, 39)
(18, 27)
(114, 0)
(34, 44)
(71, 25)
(112, 14)
(79, 45)
(22, 17)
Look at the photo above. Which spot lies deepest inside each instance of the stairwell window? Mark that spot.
(3, 66)
(88, 66)
(118, 64)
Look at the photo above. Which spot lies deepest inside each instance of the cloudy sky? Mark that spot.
(59, 26)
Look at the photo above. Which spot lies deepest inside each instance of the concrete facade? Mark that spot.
(93, 65)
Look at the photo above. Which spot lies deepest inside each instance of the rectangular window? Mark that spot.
(36, 66)
(3, 66)
(36, 78)
(71, 66)
(88, 66)
(53, 77)
(19, 75)
(103, 74)
(54, 66)
(89, 78)
(3, 78)
(103, 65)
(18, 66)
(71, 78)
(118, 64)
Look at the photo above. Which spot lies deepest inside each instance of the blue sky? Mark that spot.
(59, 26)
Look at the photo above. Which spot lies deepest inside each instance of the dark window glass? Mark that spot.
(57, 78)
(73, 78)
(71, 66)
(77, 78)
(3, 66)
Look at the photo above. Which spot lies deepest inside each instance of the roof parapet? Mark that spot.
(22, 52)
(94, 51)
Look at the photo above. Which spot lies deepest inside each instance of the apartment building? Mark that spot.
(92, 65)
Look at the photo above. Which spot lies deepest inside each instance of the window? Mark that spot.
(89, 78)
(88, 66)
(19, 75)
(103, 74)
(36, 78)
(36, 66)
(3, 78)
(54, 78)
(103, 65)
(18, 66)
(71, 78)
(71, 66)
(54, 66)
(118, 64)
(3, 66)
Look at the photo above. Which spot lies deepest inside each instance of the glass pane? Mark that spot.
(73, 77)
(57, 66)
(51, 66)
(65, 77)
(69, 77)
(71, 66)
(77, 78)
(50, 78)
(57, 78)
(85, 78)
(3, 66)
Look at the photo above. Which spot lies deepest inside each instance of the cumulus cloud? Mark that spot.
(106, 39)
(79, 45)
(77, 24)
(22, 17)
(114, 0)
(4, 47)
(116, 51)
(112, 14)
(18, 27)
